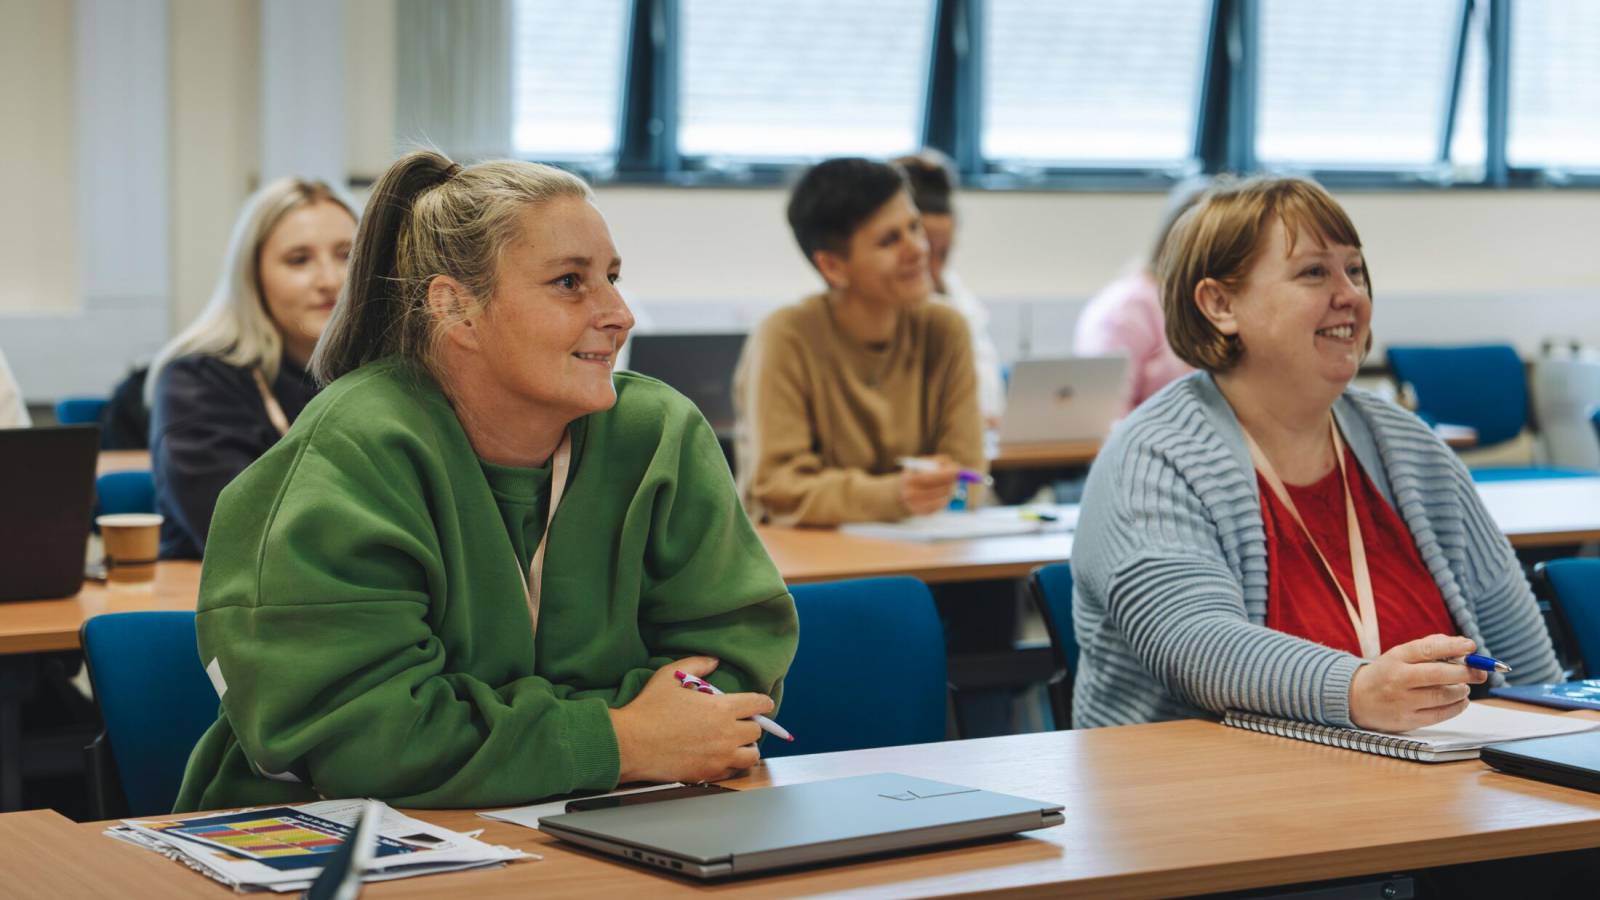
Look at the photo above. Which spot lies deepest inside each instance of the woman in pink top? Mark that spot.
(1125, 318)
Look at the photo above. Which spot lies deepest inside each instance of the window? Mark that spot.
(1357, 84)
(1085, 82)
(778, 80)
(567, 69)
(1555, 85)
(1469, 140)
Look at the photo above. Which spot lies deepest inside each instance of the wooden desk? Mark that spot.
(1457, 437)
(37, 626)
(823, 554)
(122, 461)
(1550, 512)
(1052, 455)
(1151, 810)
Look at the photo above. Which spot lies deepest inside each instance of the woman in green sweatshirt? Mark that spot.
(466, 575)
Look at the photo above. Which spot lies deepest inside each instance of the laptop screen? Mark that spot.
(699, 366)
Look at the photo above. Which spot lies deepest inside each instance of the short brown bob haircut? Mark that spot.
(1219, 238)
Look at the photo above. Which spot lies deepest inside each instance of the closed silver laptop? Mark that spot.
(1069, 399)
(761, 829)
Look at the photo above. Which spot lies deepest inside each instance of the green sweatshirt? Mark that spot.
(363, 613)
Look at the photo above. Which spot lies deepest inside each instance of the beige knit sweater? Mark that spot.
(823, 419)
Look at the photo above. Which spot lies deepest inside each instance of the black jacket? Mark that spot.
(207, 425)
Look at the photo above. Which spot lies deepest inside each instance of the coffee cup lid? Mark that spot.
(128, 520)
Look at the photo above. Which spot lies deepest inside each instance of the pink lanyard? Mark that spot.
(1363, 613)
(558, 484)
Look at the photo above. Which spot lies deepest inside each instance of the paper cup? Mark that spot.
(132, 542)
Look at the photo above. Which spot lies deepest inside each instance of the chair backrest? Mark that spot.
(1052, 591)
(133, 491)
(1576, 585)
(154, 698)
(1483, 386)
(870, 670)
(79, 410)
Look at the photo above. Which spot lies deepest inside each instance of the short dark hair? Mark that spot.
(933, 179)
(834, 197)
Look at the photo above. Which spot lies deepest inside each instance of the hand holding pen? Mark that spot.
(706, 687)
(1417, 683)
(928, 483)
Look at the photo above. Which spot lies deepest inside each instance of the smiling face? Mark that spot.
(550, 335)
(302, 265)
(886, 263)
(1303, 312)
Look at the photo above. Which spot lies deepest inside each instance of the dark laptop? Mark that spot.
(762, 829)
(1570, 759)
(47, 482)
(698, 366)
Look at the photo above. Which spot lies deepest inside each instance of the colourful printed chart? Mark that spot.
(280, 837)
(264, 838)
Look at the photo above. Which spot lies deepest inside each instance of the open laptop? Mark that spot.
(1569, 759)
(762, 829)
(47, 485)
(699, 366)
(1068, 399)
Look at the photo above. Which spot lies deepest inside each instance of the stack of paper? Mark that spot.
(283, 848)
(993, 521)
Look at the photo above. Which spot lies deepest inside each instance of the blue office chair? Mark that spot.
(79, 410)
(1575, 592)
(155, 701)
(870, 671)
(1483, 386)
(125, 492)
(1052, 590)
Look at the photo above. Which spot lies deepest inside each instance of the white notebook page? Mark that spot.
(1483, 724)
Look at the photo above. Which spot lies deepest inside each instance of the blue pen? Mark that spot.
(1482, 663)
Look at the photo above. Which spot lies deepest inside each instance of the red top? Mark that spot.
(1302, 601)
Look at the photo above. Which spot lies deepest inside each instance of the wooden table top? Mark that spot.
(121, 461)
(824, 554)
(36, 626)
(1151, 810)
(1549, 512)
(1045, 455)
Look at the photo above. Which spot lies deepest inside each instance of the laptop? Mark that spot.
(763, 829)
(48, 490)
(1068, 399)
(1570, 759)
(698, 366)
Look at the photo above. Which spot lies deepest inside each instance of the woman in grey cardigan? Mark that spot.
(1200, 584)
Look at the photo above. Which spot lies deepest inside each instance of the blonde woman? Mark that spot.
(380, 614)
(229, 386)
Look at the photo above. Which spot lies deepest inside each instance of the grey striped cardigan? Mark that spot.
(1170, 566)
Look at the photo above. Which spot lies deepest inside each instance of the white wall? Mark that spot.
(215, 156)
(37, 219)
(1459, 265)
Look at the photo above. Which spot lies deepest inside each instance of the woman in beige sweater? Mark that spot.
(834, 391)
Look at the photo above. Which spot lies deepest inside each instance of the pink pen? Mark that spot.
(706, 687)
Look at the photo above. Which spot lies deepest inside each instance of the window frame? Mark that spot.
(952, 114)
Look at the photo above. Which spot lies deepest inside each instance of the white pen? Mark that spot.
(706, 687)
(967, 476)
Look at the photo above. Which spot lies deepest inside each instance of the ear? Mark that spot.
(1216, 304)
(834, 267)
(451, 306)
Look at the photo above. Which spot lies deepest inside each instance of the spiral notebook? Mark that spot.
(1458, 738)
